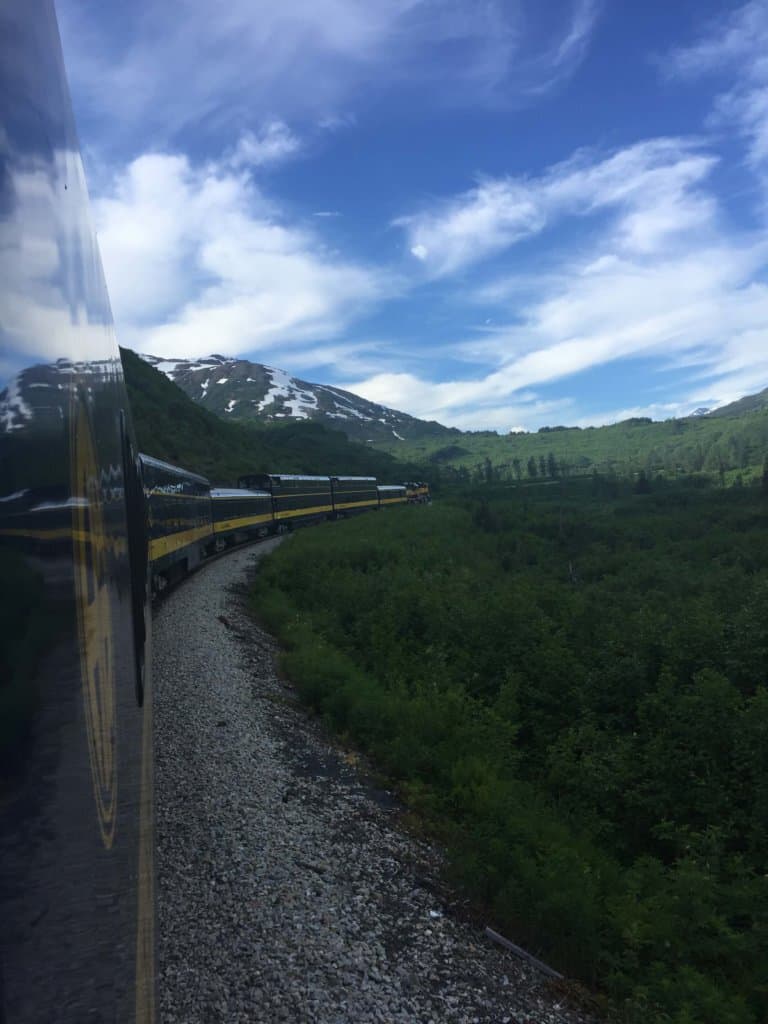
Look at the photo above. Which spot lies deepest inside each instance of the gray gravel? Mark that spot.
(287, 890)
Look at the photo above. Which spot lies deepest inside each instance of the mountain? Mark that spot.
(238, 389)
(171, 426)
(743, 406)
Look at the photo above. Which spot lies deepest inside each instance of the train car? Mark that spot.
(353, 494)
(240, 515)
(391, 494)
(76, 820)
(179, 519)
(295, 499)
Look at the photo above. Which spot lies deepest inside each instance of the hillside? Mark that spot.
(290, 428)
(170, 426)
(721, 446)
(743, 406)
(237, 389)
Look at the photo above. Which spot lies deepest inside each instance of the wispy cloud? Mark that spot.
(663, 275)
(172, 66)
(272, 144)
(736, 43)
(198, 260)
(652, 185)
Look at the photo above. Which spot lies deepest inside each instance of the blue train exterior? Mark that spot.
(76, 826)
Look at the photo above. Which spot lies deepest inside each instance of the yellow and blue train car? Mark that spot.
(178, 505)
(296, 499)
(391, 494)
(76, 819)
(239, 515)
(353, 494)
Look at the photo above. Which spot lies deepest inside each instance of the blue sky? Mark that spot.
(494, 213)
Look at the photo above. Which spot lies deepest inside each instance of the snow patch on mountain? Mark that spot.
(246, 390)
(295, 402)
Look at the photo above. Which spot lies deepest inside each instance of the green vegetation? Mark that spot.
(170, 426)
(724, 447)
(568, 681)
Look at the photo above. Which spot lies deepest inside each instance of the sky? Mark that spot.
(499, 214)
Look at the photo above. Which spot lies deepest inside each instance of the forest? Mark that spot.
(567, 685)
(727, 445)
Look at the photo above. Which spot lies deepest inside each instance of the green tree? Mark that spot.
(642, 484)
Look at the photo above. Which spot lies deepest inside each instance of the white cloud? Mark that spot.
(735, 43)
(176, 65)
(658, 272)
(652, 186)
(271, 145)
(49, 310)
(197, 260)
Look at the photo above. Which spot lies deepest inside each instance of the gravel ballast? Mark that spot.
(286, 889)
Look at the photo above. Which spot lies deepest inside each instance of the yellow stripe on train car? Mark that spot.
(117, 544)
(291, 512)
(356, 504)
(160, 546)
(241, 523)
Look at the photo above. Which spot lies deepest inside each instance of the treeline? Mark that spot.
(722, 448)
(570, 683)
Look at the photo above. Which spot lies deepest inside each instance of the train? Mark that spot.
(89, 530)
(77, 899)
(188, 520)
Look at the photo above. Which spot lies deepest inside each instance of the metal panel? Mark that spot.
(76, 836)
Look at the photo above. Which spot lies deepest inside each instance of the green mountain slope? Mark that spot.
(743, 406)
(170, 426)
(723, 446)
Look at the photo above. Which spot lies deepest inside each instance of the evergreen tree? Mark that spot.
(642, 484)
(532, 470)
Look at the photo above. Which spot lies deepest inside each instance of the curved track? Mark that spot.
(287, 892)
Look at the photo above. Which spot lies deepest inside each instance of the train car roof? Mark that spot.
(355, 479)
(168, 467)
(290, 476)
(237, 492)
